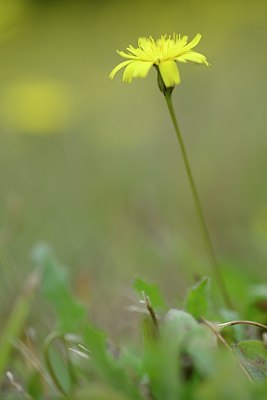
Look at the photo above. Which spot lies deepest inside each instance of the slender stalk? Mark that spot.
(203, 226)
(151, 312)
(242, 322)
(220, 338)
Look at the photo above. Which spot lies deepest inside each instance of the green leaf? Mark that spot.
(106, 365)
(202, 346)
(197, 300)
(15, 323)
(192, 337)
(98, 392)
(34, 385)
(161, 368)
(71, 314)
(152, 291)
(253, 354)
(178, 325)
(227, 381)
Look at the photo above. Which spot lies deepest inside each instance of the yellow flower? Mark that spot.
(163, 54)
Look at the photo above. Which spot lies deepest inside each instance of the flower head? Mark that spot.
(163, 54)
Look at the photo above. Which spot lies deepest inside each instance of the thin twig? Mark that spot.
(18, 387)
(224, 342)
(151, 311)
(33, 361)
(242, 322)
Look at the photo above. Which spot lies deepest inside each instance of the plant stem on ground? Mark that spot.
(203, 226)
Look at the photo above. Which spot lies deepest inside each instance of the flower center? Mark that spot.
(159, 59)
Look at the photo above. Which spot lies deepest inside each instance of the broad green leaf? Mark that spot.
(202, 346)
(227, 381)
(161, 368)
(253, 354)
(152, 291)
(191, 337)
(198, 298)
(108, 366)
(71, 314)
(130, 359)
(178, 325)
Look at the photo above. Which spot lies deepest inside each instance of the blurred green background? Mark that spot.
(92, 166)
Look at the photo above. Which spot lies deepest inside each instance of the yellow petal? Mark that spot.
(118, 67)
(193, 56)
(193, 42)
(137, 69)
(147, 47)
(139, 54)
(180, 42)
(142, 68)
(169, 73)
(146, 43)
(125, 55)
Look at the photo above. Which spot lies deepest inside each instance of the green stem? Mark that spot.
(213, 261)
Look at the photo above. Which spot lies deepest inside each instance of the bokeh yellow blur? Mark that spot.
(37, 107)
(92, 166)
